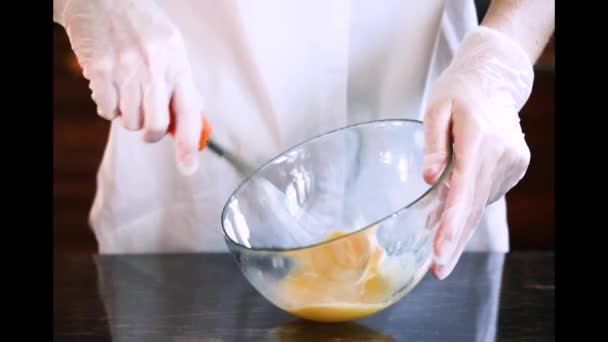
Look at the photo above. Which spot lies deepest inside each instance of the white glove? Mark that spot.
(136, 62)
(475, 105)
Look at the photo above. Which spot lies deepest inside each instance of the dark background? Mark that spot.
(80, 136)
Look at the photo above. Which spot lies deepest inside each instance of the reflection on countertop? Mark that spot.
(204, 297)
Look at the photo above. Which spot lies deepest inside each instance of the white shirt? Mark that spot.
(271, 74)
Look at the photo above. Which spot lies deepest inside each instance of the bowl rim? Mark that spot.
(247, 179)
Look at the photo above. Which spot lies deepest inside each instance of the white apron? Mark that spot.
(273, 73)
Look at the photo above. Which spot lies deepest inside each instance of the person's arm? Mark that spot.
(530, 23)
(474, 107)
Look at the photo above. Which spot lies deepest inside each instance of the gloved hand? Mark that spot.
(136, 62)
(474, 105)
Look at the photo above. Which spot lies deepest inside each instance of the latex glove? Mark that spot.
(138, 69)
(474, 105)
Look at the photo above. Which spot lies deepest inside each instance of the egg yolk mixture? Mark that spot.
(343, 276)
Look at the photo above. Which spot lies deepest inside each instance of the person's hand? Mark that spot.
(474, 105)
(138, 69)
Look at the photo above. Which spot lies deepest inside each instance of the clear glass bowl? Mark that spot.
(341, 226)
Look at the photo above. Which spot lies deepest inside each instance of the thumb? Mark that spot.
(436, 139)
(188, 123)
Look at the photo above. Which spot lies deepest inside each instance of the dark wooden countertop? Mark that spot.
(203, 297)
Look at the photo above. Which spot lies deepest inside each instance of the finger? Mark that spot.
(433, 218)
(468, 185)
(436, 139)
(130, 105)
(187, 107)
(440, 196)
(452, 220)
(459, 199)
(105, 95)
(475, 211)
(156, 111)
(443, 271)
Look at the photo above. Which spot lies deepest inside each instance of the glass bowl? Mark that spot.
(341, 226)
